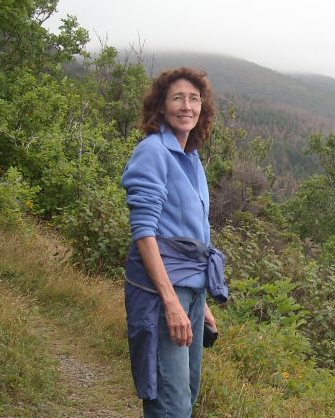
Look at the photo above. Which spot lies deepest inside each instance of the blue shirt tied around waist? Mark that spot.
(167, 195)
(182, 257)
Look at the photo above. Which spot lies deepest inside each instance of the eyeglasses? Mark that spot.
(178, 100)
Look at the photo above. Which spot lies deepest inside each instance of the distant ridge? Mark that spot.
(235, 76)
(285, 107)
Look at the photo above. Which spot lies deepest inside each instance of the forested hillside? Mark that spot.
(234, 76)
(285, 107)
(64, 142)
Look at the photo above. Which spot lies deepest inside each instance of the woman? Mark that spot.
(165, 286)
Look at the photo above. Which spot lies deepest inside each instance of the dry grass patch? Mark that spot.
(28, 374)
(93, 306)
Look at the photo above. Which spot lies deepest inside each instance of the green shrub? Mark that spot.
(272, 281)
(16, 199)
(261, 287)
(317, 295)
(261, 371)
(97, 228)
(311, 212)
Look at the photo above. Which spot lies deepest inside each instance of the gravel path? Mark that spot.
(93, 389)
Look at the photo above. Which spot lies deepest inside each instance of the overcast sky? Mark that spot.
(284, 35)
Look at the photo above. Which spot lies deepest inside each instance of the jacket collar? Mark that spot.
(171, 142)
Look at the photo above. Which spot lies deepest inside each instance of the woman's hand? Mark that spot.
(209, 318)
(178, 323)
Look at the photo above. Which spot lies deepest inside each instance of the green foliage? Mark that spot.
(97, 227)
(328, 251)
(261, 287)
(67, 137)
(220, 152)
(272, 281)
(30, 106)
(262, 370)
(267, 353)
(13, 10)
(16, 199)
(24, 42)
(324, 148)
(311, 212)
(63, 179)
(121, 85)
(316, 293)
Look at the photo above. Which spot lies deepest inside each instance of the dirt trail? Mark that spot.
(93, 388)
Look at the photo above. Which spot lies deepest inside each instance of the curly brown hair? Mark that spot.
(152, 116)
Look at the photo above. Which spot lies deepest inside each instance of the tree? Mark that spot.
(324, 148)
(12, 11)
(30, 95)
(311, 212)
(24, 42)
(121, 84)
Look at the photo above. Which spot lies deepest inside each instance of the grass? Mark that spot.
(260, 372)
(36, 281)
(252, 371)
(91, 306)
(28, 374)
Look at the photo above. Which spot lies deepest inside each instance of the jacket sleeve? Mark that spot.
(144, 179)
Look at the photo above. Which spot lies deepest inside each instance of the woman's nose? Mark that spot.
(186, 104)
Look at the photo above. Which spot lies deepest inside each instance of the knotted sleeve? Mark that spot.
(216, 279)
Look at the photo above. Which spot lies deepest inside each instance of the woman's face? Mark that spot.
(182, 108)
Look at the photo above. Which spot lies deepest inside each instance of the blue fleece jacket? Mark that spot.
(167, 190)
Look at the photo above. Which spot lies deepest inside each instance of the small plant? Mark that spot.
(16, 199)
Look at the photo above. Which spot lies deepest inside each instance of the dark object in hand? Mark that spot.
(210, 335)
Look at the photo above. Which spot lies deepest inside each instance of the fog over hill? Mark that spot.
(285, 107)
(234, 76)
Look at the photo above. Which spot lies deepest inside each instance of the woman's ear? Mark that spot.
(162, 109)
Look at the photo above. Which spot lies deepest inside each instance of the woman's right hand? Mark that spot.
(178, 323)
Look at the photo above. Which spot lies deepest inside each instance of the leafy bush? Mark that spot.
(261, 288)
(97, 228)
(261, 371)
(317, 294)
(272, 281)
(16, 198)
(311, 212)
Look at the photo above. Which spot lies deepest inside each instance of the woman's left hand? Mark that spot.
(209, 318)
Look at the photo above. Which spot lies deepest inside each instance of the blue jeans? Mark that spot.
(178, 368)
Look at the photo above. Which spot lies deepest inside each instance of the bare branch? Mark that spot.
(9, 135)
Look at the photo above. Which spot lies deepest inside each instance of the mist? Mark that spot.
(284, 35)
